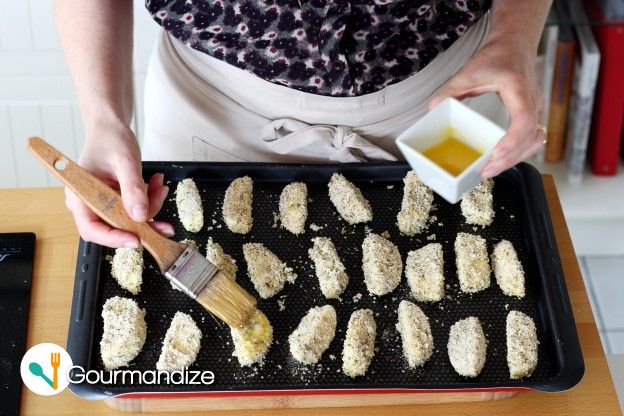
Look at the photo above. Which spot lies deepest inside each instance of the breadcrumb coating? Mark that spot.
(188, 201)
(424, 269)
(253, 340)
(416, 337)
(127, 268)
(522, 344)
(467, 347)
(348, 200)
(266, 271)
(381, 264)
(224, 262)
(508, 269)
(293, 207)
(181, 344)
(313, 335)
(359, 344)
(415, 206)
(477, 206)
(124, 332)
(237, 205)
(473, 265)
(330, 271)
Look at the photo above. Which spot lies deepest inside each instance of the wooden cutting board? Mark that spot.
(286, 401)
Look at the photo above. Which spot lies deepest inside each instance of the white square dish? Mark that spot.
(471, 127)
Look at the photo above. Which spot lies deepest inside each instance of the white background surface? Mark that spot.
(36, 93)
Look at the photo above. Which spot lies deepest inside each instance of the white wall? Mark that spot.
(36, 93)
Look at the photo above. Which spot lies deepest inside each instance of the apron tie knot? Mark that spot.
(340, 143)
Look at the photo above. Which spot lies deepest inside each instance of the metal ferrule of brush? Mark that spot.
(191, 272)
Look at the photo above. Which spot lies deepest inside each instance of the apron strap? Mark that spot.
(285, 135)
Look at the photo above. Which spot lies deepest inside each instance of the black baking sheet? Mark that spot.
(521, 216)
(17, 254)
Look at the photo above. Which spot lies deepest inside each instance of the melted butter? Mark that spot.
(451, 154)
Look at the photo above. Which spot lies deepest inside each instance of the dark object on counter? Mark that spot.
(17, 253)
(522, 217)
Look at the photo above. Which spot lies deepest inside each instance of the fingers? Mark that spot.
(92, 229)
(132, 187)
(531, 146)
(523, 105)
(156, 194)
(464, 84)
(163, 228)
(538, 143)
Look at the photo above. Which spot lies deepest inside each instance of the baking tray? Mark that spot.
(522, 217)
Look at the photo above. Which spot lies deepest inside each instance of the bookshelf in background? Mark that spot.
(608, 123)
(586, 94)
(582, 51)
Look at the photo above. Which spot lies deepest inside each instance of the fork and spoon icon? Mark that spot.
(55, 362)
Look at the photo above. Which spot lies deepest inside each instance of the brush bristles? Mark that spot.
(227, 301)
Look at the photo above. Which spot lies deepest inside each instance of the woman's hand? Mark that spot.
(504, 65)
(114, 157)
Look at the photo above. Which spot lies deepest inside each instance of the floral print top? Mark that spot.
(328, 47)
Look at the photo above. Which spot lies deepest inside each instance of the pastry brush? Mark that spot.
(184, 266)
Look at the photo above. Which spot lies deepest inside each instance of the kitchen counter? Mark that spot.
(43, 212)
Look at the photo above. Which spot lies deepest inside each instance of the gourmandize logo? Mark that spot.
(44, 369)
(55, 361)
(48, 369)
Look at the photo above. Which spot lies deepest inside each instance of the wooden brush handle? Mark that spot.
(105, 202)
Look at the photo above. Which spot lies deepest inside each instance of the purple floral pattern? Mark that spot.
(327, 47)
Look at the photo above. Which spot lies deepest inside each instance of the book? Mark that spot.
(587, 64)
(606, 133)
(562, 83)
(545, 66)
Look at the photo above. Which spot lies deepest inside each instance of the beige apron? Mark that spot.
(198, 108)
